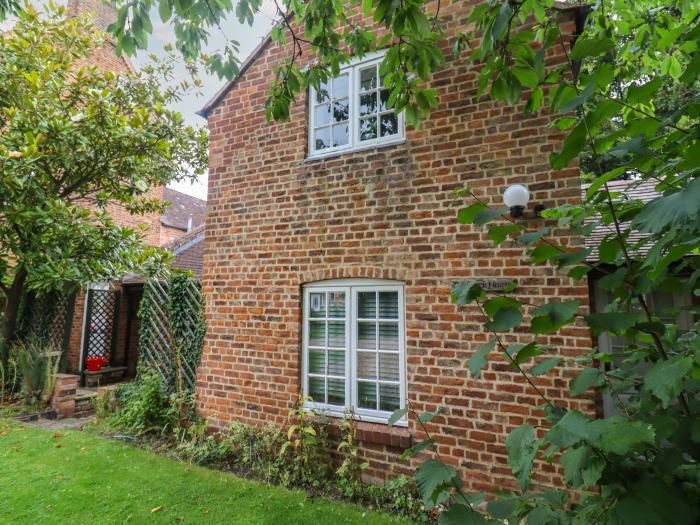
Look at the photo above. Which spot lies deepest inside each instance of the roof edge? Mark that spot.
(219, 95)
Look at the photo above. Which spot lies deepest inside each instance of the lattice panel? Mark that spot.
(47, 319)
(164, 347)
(101, 324)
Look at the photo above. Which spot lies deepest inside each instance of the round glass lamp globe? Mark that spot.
(516, 195)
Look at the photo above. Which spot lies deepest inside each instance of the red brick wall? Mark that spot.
(168, 234)
(276, 221)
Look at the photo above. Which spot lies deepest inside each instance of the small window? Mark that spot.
(350, 112)
(354, 348)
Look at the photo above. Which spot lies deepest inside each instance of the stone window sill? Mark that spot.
(378, 434)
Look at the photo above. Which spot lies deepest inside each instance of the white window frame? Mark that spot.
(351, 287)
(354, 142)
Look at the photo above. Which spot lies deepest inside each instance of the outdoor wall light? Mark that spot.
(516, 198)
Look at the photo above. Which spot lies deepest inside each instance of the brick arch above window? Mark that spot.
(356, 272)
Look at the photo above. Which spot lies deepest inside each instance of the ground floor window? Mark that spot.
(354, 347)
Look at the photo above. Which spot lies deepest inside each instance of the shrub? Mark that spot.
(144, 406)
(34, 368)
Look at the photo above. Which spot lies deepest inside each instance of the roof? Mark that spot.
(182, 207)
(188, 251)
(631, 190)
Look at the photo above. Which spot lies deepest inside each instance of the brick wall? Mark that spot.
(276, 221)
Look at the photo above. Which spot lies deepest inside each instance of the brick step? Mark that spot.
(84, 406)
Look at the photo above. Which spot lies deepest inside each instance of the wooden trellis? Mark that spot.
(171, 330)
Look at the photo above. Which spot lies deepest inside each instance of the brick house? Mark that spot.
(331, 252)
(184, 214)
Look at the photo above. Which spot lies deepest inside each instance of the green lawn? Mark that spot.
(77, 477)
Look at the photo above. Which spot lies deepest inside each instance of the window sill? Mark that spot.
(337, 153)
(377, 434)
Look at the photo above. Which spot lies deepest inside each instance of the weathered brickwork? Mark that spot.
(276, 221)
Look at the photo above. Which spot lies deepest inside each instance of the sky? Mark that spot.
(248, 37)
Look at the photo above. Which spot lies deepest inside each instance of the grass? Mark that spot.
(76, 477)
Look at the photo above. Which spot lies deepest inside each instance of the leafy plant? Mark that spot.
(349, 473)
(36, 366)
(144, 406)
(306, 436)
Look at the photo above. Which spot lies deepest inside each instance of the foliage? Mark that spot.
(78, 144)
(35, 368)
(305, 446)
(103, 481)
(144, 406)
(172, 329)
(349, 473)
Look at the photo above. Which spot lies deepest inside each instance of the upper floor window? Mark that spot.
(350, 112)
(354, 350)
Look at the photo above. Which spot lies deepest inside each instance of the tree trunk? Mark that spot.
(13, 298)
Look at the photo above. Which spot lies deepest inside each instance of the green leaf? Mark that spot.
(666, 378)
(582, 467)
(466, 215)
(544, 366)
(487, 215)
(585, 380)
(466, 292)
(522, 449)
(433, 479)
(613, 322)
(569, 430)
(396, 415)
(521, 353)
(531, 238)
(498, 234)
(458, 514)
(501, 508)
(544, 252)
(551, 317)
(480, 357)
(165, 10)
(620, 436)
(428, 416)
(590, 47)
(505, 319)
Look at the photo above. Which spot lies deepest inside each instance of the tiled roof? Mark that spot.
(188, 251)
(182, 207)
(630, 190)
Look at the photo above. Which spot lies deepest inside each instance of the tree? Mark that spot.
(78, 143)
(607, 98)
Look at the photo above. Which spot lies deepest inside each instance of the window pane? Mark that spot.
(340, 134)
(323, 93)
(367, 365)
(322, 138)
(384, 100)
(336, 362)
(336, 392)
(317, 361)
(317, 304)
(389, 367)
(317, 333)
(368, 78)
(322, 115)
(340, 110)
(316, 389)
(336, 304)
(389, 336)
(389, 399)
(368, 128)
(367, 395)
(389, 124)
(389, 305)
(367, 305)
(336, 334)
(368, 103)
(367, 336)
(340, 86)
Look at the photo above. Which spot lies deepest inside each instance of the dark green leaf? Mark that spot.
(458, 514)
(466, 215)
(466, 292)
(480, 357)
(665, 379)
(613, 322)
(498, 234)
(585, 380)
(522, 448)
(590, 47)
(396, 415)
(551, 317)
(505, 319)
(433, 479)
(544, 366)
